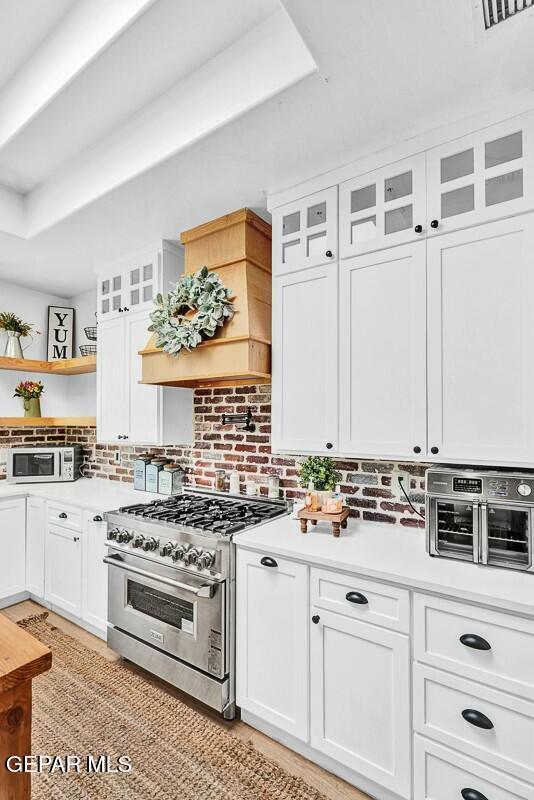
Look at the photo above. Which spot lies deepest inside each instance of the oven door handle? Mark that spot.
(484, 543)
(205, 590)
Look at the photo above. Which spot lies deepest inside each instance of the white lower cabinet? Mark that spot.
(360, 698)
(272, 640)
(13, 546)
(63, 570)
(35, 545)
(95, 572)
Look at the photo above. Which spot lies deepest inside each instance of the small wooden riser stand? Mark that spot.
(338, 520)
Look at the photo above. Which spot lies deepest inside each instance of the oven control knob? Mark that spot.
(124, 536)
(138, 540)
(205, 560)
(191, 556)
(150, 544)
(167, 548)
(178, 552)
(524, 489)
(112, 534)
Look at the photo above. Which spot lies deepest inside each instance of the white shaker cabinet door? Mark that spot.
(272, 640)
(480, 344)
(112, 413)
(383, 353)
(360, 698)
(144, 402)
(63, 559)
(305, 232)
(383, 208)
(13, 546)
(35, 545)
(304, 369)
(95, 572)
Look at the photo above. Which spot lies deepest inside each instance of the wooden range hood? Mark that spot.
(238, 247)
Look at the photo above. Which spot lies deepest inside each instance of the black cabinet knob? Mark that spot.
(329, 445)
(329, 254)
(97, 518)
(417, 449)
(267, 561)
(357, 597)
(473, 794)
(120, 309)
(315, 619)
(62, 515)
(125, 308)
(477, 718)
(434, 450)
(474, 641)
(434, 223)
(418, 229)
(75, 538)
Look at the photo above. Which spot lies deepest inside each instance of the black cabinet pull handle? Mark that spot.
(418, 229)
(417, 449)
(434, 223)
(315, 619)
(329, 254)
(62, 515)
(474, 641)
(477, 718)
(356, 597)
(434, 450)
(329, 445)
(267, 561)
(473, 794)
(97, 518)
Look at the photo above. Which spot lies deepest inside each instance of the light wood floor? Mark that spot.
(332, 787)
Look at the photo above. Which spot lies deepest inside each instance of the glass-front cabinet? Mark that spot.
(383, 208)
(129, 285)
(481, 177)
(305, 232)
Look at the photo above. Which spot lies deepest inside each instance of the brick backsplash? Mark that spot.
(367, 485)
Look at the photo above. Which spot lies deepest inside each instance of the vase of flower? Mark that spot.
(30, 392)
(16, 330)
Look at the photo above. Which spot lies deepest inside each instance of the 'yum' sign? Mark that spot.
(60, 332)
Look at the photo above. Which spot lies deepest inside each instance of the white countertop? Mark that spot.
(393, 554)
(91, 493)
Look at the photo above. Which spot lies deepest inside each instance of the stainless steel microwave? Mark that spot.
(44, 464)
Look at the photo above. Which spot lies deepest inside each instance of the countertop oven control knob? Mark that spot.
(178, 552)
(124, 536)
(138, 540)
(112, 534)
(205, 560)
(524, 489)
(150, 544)
(167, 548)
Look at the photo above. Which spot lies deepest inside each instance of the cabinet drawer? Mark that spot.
(65, 515)
(440, 702)
(440, 625)
(441, 774)
(373, 602)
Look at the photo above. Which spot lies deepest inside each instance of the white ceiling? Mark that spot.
(175, 121)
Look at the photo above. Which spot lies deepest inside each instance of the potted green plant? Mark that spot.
(322, 471)
(31, 392)
(16, 329)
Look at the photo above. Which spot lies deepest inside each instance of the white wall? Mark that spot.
(63, 396)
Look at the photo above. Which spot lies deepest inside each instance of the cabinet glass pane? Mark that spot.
(459, 201)
(455, 528)
(457, 165)
(398, 186)
(116, 302)
(105, 287)
(134, 297)
(363, 198)
(363, 229)
(291, 223)
(316, 214)
(316, 244)
(117, 281)
(504, 187)
(105, 306)
(147, 293)
(148, 272)
(135, 276)
(508, 534)
(398, 219)
(505, 149)
(290, 251)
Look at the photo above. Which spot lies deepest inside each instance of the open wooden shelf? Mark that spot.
(47, 422)
(69, 366)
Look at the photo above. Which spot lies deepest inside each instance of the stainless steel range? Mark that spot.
(171, 606)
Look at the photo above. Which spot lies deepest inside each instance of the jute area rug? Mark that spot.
(86, 705)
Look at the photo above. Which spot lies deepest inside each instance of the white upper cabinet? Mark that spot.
(111, 381)
(382, 320)
(483, 176)
(304, 367)
(305, 232)
(383, 208)
(480, 343)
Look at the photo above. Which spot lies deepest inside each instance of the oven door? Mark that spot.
(506, 535)
(453, 528)
(176, 612)
(33, 465)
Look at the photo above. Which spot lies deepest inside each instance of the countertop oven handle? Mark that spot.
(206, 590)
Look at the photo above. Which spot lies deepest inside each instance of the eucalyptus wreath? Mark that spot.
(191, 312)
